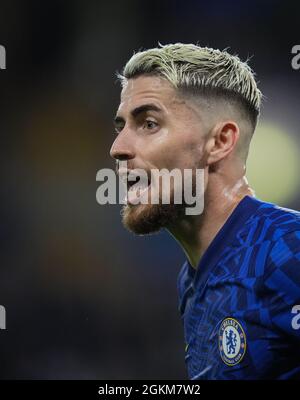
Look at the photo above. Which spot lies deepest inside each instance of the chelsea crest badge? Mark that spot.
(232, 341)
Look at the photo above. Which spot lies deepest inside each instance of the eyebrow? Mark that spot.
(139, 110)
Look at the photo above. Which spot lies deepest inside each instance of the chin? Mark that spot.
(144, 219)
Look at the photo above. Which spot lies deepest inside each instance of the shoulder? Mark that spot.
(283, 264)
(282, 231)
(277, 221)
(280, 227)
(282, 281)
(267, 224)
(282, 269)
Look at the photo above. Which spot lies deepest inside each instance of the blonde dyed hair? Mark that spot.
(201, 70)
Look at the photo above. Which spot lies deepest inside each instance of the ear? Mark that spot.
(223, 139)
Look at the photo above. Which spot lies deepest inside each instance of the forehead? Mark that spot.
(148, 89)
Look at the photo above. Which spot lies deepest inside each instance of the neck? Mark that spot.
(195, 233)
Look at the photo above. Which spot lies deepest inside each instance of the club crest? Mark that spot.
(232, 341)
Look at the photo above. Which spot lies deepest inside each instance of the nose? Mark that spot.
(121, 149)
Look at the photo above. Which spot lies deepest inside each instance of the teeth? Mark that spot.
(138, 188)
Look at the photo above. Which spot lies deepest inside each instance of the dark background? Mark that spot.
(84, 298)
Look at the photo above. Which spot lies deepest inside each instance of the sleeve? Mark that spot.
(283, 281)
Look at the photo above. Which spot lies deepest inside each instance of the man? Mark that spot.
(188, 107)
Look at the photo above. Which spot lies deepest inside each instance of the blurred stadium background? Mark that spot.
(84, 298)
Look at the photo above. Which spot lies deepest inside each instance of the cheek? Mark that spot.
(176, 149)
(183, 151)
(159, 149)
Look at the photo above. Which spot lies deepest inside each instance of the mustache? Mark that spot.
(123, 164)
(129, 166)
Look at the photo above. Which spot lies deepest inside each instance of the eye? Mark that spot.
(150, 124)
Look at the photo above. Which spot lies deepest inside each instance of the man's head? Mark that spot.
(183, 106)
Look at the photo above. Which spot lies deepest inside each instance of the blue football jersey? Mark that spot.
(240, 307)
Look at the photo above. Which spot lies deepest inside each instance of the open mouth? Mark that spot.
(137, 182)
(137, 185)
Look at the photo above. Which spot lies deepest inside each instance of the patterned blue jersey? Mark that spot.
(241, 307)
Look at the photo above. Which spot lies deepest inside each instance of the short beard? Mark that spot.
(144, 219)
